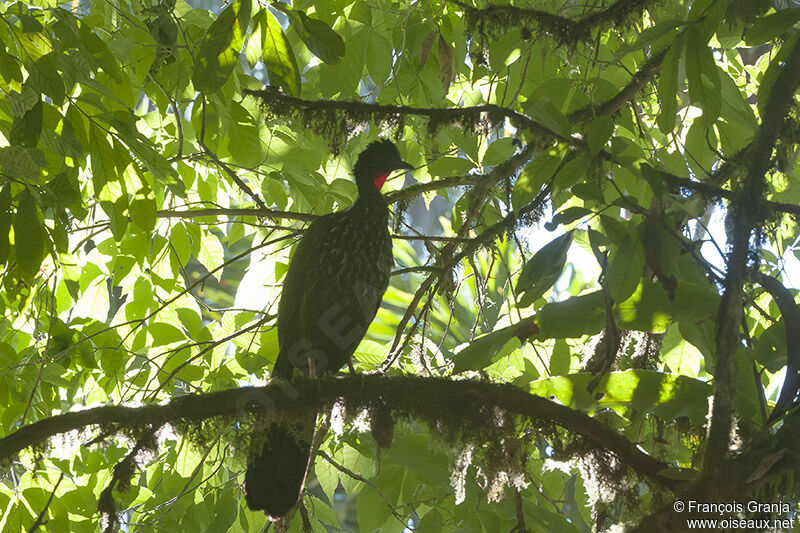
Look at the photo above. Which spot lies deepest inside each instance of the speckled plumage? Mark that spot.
(336, 279)
(332, 291)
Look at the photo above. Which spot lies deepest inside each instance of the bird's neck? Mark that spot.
(370, 201)
(369, 189)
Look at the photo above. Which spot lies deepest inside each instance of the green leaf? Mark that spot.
(775, 66)
(324, 513)
(143, 149)
(626, 267)
(327, 475)
(44, 78)
(662, 31)
(598, 132)
(66, 190)
(143, 213)
(450, 166)
(573, 317)
(9, 66)
(735, 108)
(534, 175)
(181, 243)
(415, 452)
(224, 511)
(277, 54)
(542, 270)
(378, 53)
(211, 253)
(371, 353)
(567, 216)
(191, 321)
(667, 395)
(701, 149)
(498, 151)
(431, 522)
(702, 74)
(117, 212)
(320, 38)
(486, 349)
(25, 130)
(766, 29)
(21, 162)
(560, 358)
(5, 222)
(372, 511)
(29, 235)
(572, 172)
(548, 116)
(164, 333)
(650, 307)
(771, 347)
(218, 52)
(668, 87)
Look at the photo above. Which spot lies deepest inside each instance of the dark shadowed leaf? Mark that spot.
(447, 63)
(26, 129)
(29, 235)
(320, 38)
(44, 77)
(426, 47)
(775, 67)
(598, 132)
(702, 74)
(668, 86)
(626, 267)
(543, 269)
(218, 52)
(771, 26)
(486, 349)
(277, 54)
(5, 222)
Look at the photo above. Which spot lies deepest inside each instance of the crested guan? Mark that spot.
(333, 288)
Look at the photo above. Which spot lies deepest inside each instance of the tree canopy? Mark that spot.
(593, 312)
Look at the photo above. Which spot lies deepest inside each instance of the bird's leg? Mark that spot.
(350, 366)
(311, 370)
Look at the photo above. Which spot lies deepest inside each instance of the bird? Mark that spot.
(333, 288)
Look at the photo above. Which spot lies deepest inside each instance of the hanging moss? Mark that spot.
(337, 121)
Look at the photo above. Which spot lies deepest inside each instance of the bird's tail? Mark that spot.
(276, 475)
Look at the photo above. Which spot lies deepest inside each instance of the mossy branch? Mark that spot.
(455, 404)
(497, 19)
(336, 120)
(746, 214)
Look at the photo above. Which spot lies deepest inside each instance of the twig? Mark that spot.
(40, 519)
(520, 528)
(43, 359)
(231, 174)
(359, 477)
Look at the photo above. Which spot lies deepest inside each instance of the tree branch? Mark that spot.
(335, 119)
(642, 77)
(242, 212)
(745, 214)
(563, 30)
(432, 399)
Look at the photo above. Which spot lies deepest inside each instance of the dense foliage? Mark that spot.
(598, 240)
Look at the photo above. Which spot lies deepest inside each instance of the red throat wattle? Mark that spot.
(380, 179)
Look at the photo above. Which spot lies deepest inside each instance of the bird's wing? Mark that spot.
(303, 290)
